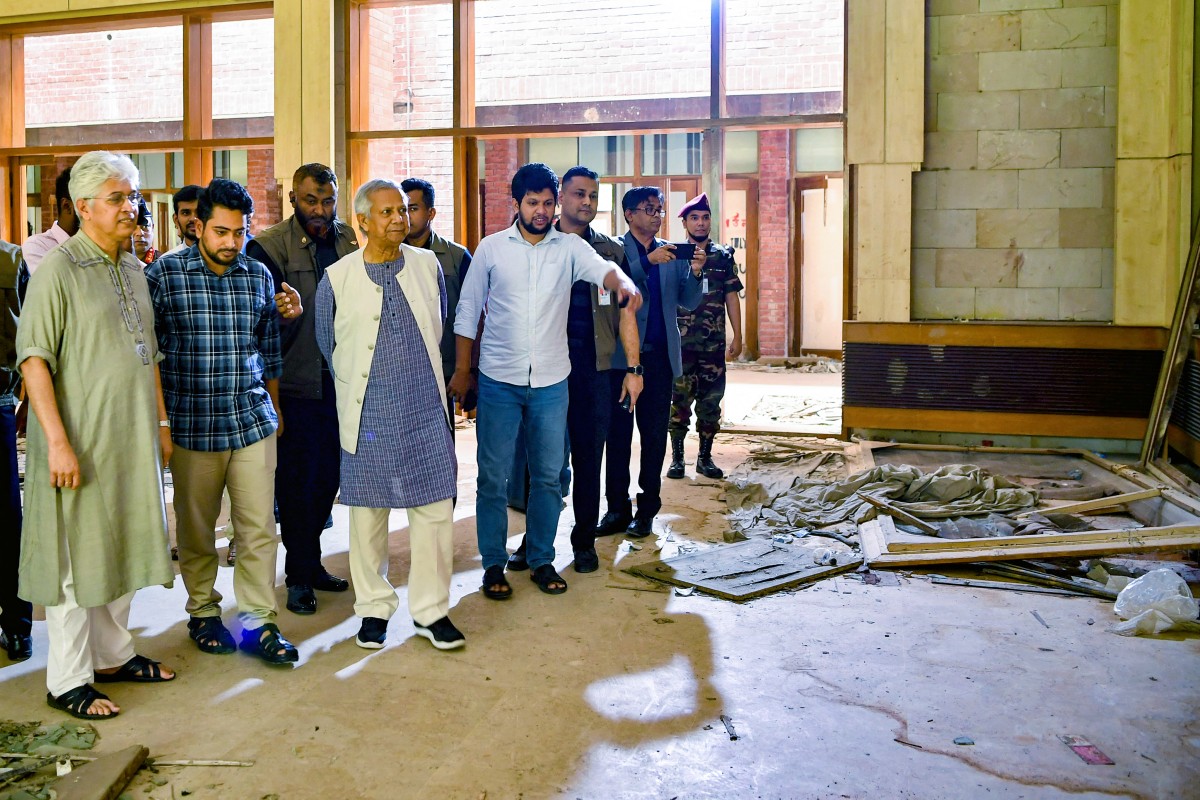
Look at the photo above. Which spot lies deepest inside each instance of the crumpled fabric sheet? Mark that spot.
(951, 491)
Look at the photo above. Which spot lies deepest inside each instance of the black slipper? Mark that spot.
(211, 635)
(138, 669)
(494, 576)
(75, 701)
(545, 575)
(267, 647)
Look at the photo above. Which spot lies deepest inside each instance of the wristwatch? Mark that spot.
(635, 370)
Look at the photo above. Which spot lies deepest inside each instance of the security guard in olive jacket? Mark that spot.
(297, 251)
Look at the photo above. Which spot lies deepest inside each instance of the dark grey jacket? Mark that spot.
(679, 288)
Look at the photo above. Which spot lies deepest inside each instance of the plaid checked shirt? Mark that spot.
(219, 335)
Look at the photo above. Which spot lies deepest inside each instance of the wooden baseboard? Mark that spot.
(1000, 423)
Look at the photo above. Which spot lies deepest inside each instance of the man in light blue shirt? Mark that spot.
(522, 276)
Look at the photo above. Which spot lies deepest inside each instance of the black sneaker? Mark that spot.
(372, 633)
(442, 634)
(586, 560)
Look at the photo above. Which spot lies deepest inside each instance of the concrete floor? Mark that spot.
(613, 692)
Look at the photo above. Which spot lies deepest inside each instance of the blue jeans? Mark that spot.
(502, 408)
(518, 476)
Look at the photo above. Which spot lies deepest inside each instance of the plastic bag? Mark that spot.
(1156, 602)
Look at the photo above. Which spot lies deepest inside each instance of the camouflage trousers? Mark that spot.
(703, 381)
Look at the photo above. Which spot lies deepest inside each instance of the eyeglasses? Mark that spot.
(119, 199)
(652, 212)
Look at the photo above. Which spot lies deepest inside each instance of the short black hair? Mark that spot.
(410, 185)
(62, 190)
(320, 173)
(638, 195)
(226, 194)
(187, 194)
(580, 172)
(536, 178)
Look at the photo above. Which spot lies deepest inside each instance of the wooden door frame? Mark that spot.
(795, 278)
(750, 349)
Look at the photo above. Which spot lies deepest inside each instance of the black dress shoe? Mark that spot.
(301, 599)
(586, 561)
(640, 528)
(330, 583)
(613, 522)
(18, 646)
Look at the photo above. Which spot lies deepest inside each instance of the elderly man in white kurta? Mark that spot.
(380, 312)
(95, 522)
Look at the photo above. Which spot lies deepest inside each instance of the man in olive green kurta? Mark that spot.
(95, 530)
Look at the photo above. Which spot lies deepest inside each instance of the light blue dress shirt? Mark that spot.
(526, 291)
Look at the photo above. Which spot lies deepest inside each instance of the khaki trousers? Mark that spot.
(431, 561)
(200, 478)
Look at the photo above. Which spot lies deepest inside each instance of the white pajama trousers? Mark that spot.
(431, 561)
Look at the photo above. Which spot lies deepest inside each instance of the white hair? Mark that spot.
(362, 198)
(93, 169)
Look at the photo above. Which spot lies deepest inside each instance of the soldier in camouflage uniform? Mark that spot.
(703, 338)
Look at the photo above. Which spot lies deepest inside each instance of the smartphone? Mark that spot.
(684, 251)
(627, 403)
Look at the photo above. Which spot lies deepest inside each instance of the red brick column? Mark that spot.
(260, 182)
(774, 248)
(501, 161)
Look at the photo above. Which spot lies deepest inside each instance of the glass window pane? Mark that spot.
(254, 169)
(599, 61)
(819, 150)
(410, 79)
(130, 91)
(429, 158)
(608, 155)
(741, 152)
(671, 154)
(783, 58)
(152, 170)
(33, 201)
(243, 85)
(557, 154)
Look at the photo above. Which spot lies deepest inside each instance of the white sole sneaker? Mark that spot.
(368, 645)
(428, 634)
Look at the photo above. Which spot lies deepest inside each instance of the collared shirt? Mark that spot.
(220, 338)
(35, 247)
(526, 289)
(179, 249)
(656, 326)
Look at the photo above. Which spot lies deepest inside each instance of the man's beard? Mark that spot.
(533, 229)
(215, 257)
(317, 227)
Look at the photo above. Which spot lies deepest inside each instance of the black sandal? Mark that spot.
(75, 701)
(138, 669)
(545, 575)
(494, 576)
(267, 647)
(211, 635)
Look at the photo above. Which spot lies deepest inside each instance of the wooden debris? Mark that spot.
(895, 511)
(1038, 617)
(1012, 587)
(103, 778)
(1084, 585)
(1111, 501)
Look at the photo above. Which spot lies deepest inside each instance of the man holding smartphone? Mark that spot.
(704, 351)
(668, 283)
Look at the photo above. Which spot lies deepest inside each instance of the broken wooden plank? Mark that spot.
(1097, 504)
(741, 571)
(104, 778)
(1011, 587)
(875, 533)
(899, 513)
(1084, 585)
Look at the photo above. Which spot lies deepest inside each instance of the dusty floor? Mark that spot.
(612, 692)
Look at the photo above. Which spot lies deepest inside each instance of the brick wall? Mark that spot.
(774, 248)
(502, 158)
(1013, 210)
(260, 182)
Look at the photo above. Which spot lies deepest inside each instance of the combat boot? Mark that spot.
(676, 468)
(704, 463)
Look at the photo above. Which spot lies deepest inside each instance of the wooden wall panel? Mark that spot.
(904, 82)
(1148, 256)
(865, 51)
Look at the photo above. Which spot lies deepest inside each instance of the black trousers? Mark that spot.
(306, 480)
(588, 415)
(16, 615)
(652, 414)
